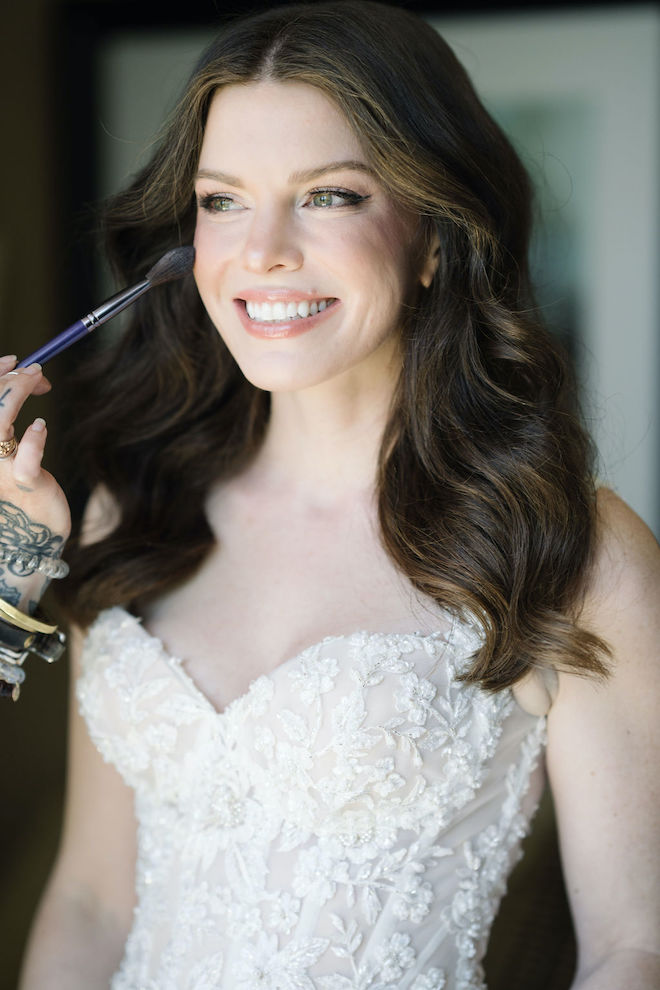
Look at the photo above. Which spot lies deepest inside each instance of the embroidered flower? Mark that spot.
(283, 912)
(395, 956)
(415, 697)
(413, 899)
(261, 965)
(435, 979)
(317, 871)
(313, 675)
(362, 834)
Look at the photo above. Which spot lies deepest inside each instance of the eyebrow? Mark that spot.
(305, 175)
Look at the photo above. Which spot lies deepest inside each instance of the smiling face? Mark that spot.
(303, 261)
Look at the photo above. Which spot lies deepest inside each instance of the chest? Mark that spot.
(278, 580)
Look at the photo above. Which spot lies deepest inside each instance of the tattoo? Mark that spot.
(13, 595)
(23, 488)
(18, 530)
(10, 594)
(4, 396)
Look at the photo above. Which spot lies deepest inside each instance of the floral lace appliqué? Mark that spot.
(346, 824)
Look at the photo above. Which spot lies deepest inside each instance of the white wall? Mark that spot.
(608, 64)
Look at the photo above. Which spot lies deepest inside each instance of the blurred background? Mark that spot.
(85, 86)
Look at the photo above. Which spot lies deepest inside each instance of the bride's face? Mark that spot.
(303, 261)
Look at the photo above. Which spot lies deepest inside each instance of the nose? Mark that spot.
(271, 242)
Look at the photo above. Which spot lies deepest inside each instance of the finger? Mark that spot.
(7, 362)
(42, 386)
(26, 463)
(15, 386)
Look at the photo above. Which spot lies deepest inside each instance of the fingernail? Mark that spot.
(9, 358)
(39, 425)
(33, 369)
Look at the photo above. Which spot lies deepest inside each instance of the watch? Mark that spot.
(16, 644)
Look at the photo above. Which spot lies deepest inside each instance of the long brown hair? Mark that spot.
(486, 497)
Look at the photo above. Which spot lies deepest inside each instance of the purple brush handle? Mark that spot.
(57, 344)
(96, 318)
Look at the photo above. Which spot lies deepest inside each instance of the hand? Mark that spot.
(34, 513)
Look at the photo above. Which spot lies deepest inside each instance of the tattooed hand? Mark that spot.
(34, 514)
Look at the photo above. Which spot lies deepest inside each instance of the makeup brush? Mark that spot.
(175, 264)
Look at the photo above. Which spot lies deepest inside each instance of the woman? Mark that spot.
(349, 430)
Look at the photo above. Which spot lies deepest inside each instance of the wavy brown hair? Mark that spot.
(486, 493)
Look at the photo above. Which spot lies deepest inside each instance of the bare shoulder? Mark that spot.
(621, 607)
(101, 516)
(624, 581)
(622, 534)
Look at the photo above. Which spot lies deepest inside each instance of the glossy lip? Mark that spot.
(281, 328)
(281, 294)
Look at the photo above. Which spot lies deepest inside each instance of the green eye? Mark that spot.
(324, 198)
(215, 203)
(222, 204)
(332, 198)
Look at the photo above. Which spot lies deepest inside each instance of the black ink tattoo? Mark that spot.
(10, 594)
(4, 396)
(18, 530)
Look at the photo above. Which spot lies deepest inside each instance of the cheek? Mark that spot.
(206, 241)
(384, 254)
(201, 242)
(211, 257)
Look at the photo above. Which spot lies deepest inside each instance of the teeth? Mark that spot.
(279, 311)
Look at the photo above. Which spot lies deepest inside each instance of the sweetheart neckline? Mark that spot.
(177, 663)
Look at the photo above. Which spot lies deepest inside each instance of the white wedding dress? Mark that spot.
(346, 824)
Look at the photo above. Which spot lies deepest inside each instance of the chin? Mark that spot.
(278, 375)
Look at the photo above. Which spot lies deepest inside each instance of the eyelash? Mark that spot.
(208, 201)
(350, 198)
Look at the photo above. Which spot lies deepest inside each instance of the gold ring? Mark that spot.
(8, 448)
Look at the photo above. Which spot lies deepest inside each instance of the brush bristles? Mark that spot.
(174, 264)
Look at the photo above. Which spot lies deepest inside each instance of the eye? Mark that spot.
(325, 198)
(218, 203)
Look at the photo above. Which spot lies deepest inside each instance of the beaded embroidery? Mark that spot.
(346, 824)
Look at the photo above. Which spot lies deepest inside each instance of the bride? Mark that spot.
(345, 591)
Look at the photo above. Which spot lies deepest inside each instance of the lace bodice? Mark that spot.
(346, 824)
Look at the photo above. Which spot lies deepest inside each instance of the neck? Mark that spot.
(322, 444)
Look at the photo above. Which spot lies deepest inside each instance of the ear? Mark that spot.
(430, 260)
